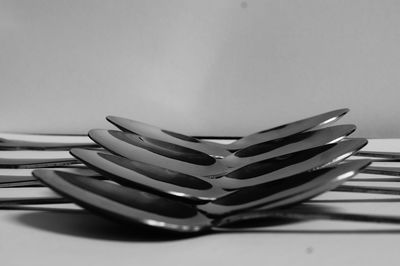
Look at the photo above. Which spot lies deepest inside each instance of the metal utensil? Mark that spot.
(380, 154)
(18, 141)
(135, 206)
(369, 189)
(24, 178)
(293, 143)
(35, 159)
(38, 141)
(32, 183)
(382, 170)
(155, 178)
(127, 143)
(199, 164)
(222, 150)
(197, 188)
(151, 176)
(19, 175)
(297, 212)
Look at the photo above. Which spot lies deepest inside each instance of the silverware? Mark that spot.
(176, 184)
(135, 206)
(369, 189)
(293, 143)
(142, 175)
(377, 179)
(16, 175)
(36, 163)
(228, 178)
(16, 141)
(169, 182)
(23, 177)
(32, 183)
(380, 154)
(151, 176)
(25, 141)
(182, 159)
(293, 213)
(258, 152)
(8, 202)
(382, 170)
(222, 150)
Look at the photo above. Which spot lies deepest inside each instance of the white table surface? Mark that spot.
(66, 235)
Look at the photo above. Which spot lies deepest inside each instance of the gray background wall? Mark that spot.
(199, 67)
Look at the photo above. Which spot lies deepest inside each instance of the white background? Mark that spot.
(199, 67)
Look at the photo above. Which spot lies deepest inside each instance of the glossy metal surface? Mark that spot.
(269, 193)
(150, 176)
(36, 162)
(369, 189)
(35, 159)
(135, 206)
(24, 178)
(294, 143)
(382, 170)
(15, 141)
(290, 164)
(156, 152)
(287, 129)
(196, 188)
(10, 202)
(380, 154)
(222, 150)
(190, 161)
(154, 132)
(254, 173)
(254, 153)
(31, 183)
